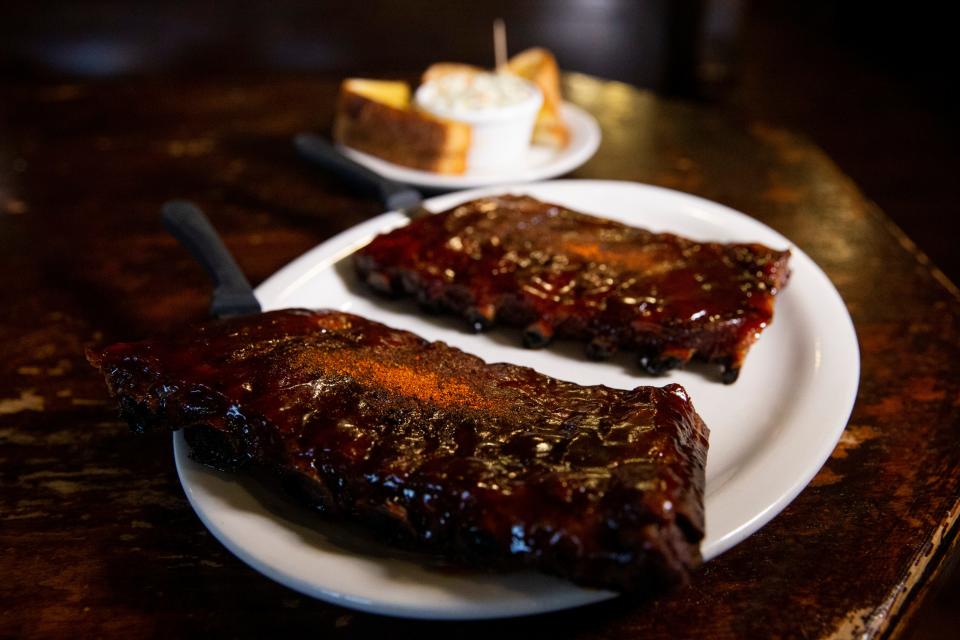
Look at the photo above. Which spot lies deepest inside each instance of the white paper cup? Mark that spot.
(500, 135)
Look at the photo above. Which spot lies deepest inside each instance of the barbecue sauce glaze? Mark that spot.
(557, 273)
(491, 465)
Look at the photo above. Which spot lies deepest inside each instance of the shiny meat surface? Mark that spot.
(561, 274)
(488, 464)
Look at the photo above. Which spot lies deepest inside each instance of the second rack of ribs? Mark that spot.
(491, 465)
(557, 273)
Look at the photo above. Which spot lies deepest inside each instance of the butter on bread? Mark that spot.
(538, 66)
(376, 117)
(389, 92)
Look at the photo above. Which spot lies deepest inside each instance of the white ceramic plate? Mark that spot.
(541, 162)
(770, 431)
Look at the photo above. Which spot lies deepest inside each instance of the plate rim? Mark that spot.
(567, 160)
(321, 257)
(581, 596)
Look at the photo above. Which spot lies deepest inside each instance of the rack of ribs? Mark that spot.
(557, 273)
(490, 465)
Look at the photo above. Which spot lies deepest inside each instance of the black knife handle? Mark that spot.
(393, 195)
(232, 293)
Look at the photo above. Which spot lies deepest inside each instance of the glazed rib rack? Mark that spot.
(557, 273)
(491, 465)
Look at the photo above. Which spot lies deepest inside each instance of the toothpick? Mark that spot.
(500, 43)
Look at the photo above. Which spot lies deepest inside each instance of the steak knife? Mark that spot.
(395, 196)
(232, 293)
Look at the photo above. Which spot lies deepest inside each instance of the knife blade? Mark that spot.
(393, 195)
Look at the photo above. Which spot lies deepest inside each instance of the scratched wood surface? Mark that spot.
(96, 536)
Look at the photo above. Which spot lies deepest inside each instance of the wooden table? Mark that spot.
(96, 537)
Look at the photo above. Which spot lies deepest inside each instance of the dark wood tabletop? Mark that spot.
(96, 536)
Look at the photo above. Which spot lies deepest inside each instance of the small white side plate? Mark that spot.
(770, 431)
(541, 162)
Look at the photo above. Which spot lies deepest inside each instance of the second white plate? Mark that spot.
(540, 163)
(770, 431)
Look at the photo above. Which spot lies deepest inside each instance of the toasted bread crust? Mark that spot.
(439, 69)
(403, 136)
(540, 67)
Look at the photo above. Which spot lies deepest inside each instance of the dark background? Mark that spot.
(870, 82)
